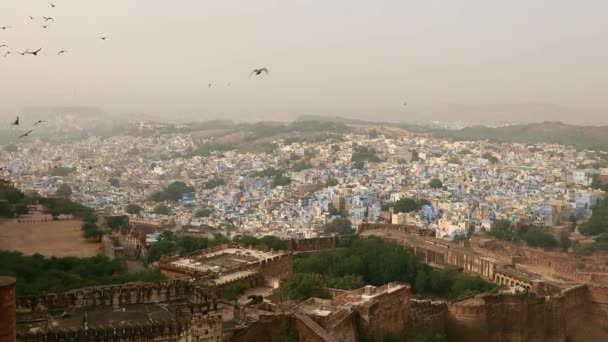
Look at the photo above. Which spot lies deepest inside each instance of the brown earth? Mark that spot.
(56, 238)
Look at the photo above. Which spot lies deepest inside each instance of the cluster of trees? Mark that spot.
(490, 157)
(361, 154)
(169, 243)
(373, 261)
(233, 291)
(17, 203)
(64, 190)
(278, 178)
(435, 184)
(173, 192)
(61, 171)
(114, 182)
(162, 209)
(205, 212)
(301, 165)
(205, 150)
(214, 183)
(598, 225)
(37, 274)
(281, 180)
(133, 209)
(406, 205)
(90, 231)
(532, 235)
(331, 182)
(340, 225)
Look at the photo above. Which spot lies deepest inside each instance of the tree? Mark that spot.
(21, 209)
(203, 213)
(162, 209)
(421, 281)
(14, 196)
(332, 210)
(538, 237)
(300, 286)
(114, 182)
(233, 291)
(64, 191)
(435, 184)
(134, 209)
(340, 225)
(502, 230)
(331, 182)
(598, 222)
(490, 157)
(281, 180)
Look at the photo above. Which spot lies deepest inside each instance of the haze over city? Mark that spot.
(476, 61)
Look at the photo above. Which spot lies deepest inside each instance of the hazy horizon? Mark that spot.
(471, 61)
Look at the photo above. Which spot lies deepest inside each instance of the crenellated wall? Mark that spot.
(428, 314)
(313, 244)
(114, 295)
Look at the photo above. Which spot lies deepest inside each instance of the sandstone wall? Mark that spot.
(313, 244)
(427, 314)
(7, 309)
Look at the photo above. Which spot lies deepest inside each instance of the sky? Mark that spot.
(361, 59)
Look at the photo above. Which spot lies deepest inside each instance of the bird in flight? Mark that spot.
(35, 53)
(258, 71)
(16, 123)
(103, 38)
(48, 18)
(25, 134)
(22, 53)
(31, 18)
(3, 45)
(60, 52)
(7, 53)
(209, 85)
(52, 5)
(5, 27)
(38, 122)
(45, 26)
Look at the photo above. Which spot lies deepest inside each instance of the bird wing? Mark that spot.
(35, 52)
(26, 134)
(264, 70)
(253, 72)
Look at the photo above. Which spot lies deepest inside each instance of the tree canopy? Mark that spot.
(173, 192)
(376, 262)
(133, 209)
(435, 184)
(598, 223)
(340, 225)
(37, 274)
(64, 191)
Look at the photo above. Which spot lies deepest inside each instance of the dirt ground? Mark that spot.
(57, 238)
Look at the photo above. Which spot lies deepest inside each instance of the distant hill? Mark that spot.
(590, 137)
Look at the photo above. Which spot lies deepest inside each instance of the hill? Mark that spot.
(589, 137)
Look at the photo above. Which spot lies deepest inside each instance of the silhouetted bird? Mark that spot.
(90, 168)
(16, 122)
(26, 134)
(38, 122)
(45, 26)
(3, 45)
(31, 18)
(35, 53)
(103, 38)
(52, 5)
(60, 52)
(209, 85)
(5, 27)
(258, 71)
(7, 53)
(48, 18)
(22, 53)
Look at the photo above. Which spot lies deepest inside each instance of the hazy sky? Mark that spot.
(333, 57)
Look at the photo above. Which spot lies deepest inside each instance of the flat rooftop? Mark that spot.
(223, 260)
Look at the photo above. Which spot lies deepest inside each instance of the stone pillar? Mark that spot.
(8, 319)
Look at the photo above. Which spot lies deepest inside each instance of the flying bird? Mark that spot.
(258, 71)
(52, 5)
(5, 27)
(48, 18)
(103, 38)
(209, 85)
(3, 45)
(7, 53)
(16, 123)
(25, 134)
(35, 53)
(38, 122)
(31, 18)
(22, 53)
(60, 52)
(45, 26)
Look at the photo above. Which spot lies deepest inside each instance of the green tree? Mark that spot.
(21, 209)
(203, 212)
(162, 209)
(134, 209)
(114, 182)
(538, 237)
(598, 222)
(281, 180)
(435, 184)
(340, 225)
(300, 286)
(421, 281)
(233, 291)
(14, 196)
(503, 230)
(490, 157)
(331, 182)
(64, 191)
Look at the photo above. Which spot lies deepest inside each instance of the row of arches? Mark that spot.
(502, 279)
